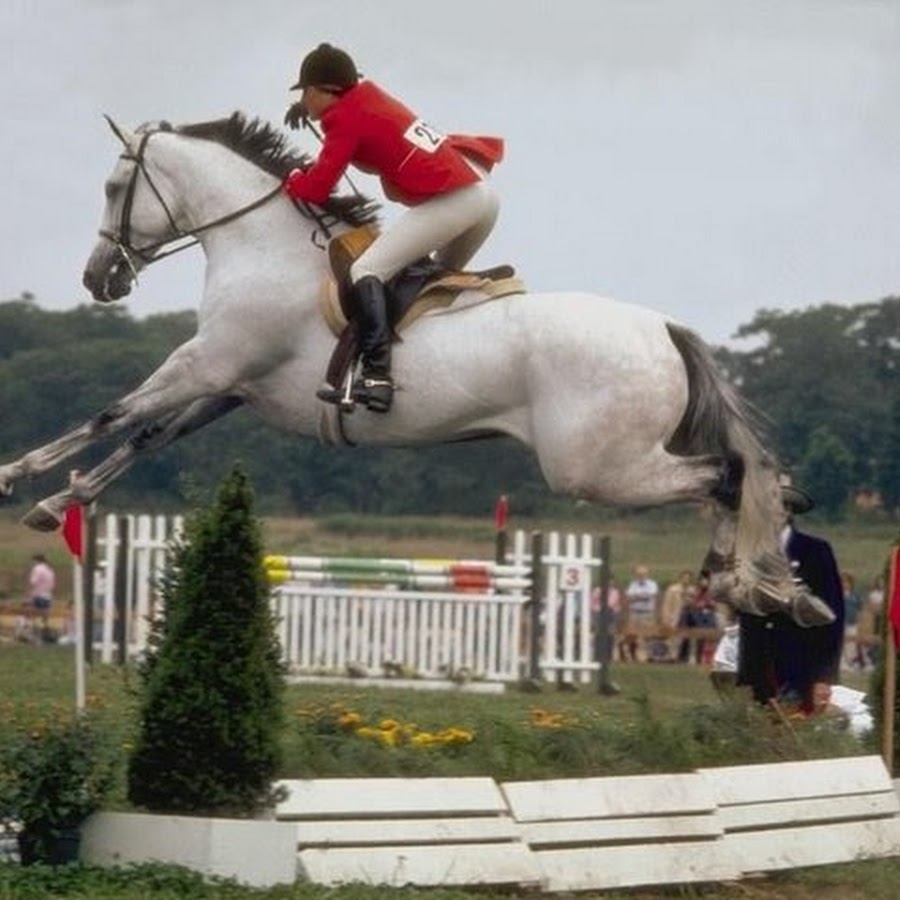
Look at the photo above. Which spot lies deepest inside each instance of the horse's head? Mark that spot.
(170, 186)
(137, 220)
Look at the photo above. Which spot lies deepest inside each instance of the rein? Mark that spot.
(150, 253)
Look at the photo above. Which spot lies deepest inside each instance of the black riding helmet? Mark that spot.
(327, 66)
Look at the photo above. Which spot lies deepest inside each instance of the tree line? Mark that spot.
(825, 380)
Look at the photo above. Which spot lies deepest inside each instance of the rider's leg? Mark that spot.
(456, 254)
(466, 216)
(374, 388)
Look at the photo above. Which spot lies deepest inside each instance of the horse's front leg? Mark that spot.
(180, 380)
(48, 514)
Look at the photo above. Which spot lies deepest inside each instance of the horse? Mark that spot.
(620, 404)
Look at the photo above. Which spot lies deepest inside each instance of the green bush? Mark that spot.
(55, 770)
(211, 700)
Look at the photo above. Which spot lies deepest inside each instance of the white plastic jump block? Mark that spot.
(603, 833)
(397, 831)
(796, 814)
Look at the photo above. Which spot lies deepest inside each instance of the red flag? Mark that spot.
(73, 529)
(892, 597)
(501, 511)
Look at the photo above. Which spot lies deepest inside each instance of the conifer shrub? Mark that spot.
(211, 686)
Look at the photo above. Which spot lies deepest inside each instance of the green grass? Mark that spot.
(665, 719)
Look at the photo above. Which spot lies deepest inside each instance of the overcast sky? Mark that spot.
(707, 158)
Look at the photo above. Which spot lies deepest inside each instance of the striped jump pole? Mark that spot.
(463, 575)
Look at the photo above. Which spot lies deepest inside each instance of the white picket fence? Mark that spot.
(329, 628)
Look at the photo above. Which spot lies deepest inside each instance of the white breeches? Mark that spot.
(454, 225)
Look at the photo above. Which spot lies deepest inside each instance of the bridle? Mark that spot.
(153, 252)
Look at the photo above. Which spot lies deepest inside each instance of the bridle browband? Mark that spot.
(153, 252)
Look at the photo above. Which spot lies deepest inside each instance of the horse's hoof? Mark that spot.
(41, 519)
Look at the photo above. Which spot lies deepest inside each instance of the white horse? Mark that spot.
(620, 404)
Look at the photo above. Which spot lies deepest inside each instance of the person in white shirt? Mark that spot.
(641, 597)
(41, 585)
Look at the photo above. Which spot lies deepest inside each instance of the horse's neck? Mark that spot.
(214, 183)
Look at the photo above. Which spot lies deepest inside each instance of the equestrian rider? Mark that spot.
(442, 179)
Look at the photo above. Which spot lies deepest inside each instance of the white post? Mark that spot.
(78, 613)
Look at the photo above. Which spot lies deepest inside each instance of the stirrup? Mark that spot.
(375, 393)
(339, 396)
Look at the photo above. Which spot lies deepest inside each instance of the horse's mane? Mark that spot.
(260, 143)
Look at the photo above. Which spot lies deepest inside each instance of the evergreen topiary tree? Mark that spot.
(212, 685)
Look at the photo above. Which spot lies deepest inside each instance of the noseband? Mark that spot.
(151, 253)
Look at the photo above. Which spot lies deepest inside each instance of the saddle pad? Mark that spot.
(455, 291)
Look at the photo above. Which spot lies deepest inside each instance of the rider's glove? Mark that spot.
(294, 181)
(296, 115)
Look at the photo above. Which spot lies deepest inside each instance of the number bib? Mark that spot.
(423, 136)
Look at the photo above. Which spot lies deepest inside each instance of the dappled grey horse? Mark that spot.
(620, 404)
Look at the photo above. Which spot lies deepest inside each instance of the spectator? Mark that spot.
(676, 601)
(867, 626)
(853, 650)
(779, 659)
(700, 612)
(39, 599)
(614, 605)
(641, 598)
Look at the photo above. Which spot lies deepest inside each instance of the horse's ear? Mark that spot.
(118, 132)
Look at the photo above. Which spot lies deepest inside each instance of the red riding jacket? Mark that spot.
(378, 134)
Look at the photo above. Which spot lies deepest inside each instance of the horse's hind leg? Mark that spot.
(638, 479)
(48, 513)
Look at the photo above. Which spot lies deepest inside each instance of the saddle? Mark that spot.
(421, 288)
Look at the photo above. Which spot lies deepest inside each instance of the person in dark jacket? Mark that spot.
(779, 659)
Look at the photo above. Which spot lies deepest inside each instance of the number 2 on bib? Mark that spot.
(423, 136)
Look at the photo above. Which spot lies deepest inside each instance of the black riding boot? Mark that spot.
(374, 387)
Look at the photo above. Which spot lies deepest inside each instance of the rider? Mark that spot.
(441, 178)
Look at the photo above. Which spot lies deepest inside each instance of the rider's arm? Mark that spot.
(317, 182)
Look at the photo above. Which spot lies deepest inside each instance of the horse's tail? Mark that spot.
(719, 421)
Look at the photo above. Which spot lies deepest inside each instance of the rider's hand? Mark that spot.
(296, 115)
(293, 182)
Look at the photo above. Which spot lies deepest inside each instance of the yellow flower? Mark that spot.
(391, 737)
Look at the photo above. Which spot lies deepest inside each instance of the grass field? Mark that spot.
(665, 719)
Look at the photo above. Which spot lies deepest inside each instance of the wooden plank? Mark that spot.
(600, 868)
(589, 798)
(323, 798)
(808, 778)
(815, 811)
(790, 848)
(451, 865)
(374, 832)
(571, 833)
